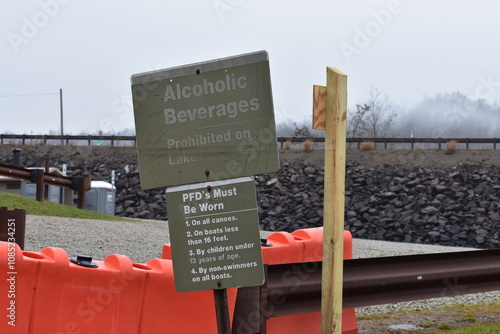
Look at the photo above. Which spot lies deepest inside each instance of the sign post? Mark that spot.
(331, 116)
(222, 311)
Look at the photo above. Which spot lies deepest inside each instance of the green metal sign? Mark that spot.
(207, 121)
(214, 234)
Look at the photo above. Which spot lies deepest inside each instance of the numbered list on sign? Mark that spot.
(214, 235)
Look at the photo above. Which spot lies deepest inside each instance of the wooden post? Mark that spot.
(40, 191)
(62, 122)
(13, 225)
(333, 223)
(84, 184)
(319, 107)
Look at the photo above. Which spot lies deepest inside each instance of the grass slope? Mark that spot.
(46, 208)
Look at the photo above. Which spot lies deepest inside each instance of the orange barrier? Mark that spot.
(311, 242)
(48, 294)
(300, 246)
(51, 295)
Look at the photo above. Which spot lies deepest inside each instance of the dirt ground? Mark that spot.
(426, 321)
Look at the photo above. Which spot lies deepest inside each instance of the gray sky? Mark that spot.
(408, 49)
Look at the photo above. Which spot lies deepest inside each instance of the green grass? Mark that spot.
(373, 316)
(445, 327)
(483, 318)
(477, 329)
(470, 310)
(468, 313)
(427, 325)
(46, 208)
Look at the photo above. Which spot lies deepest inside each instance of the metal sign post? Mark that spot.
(222, 311)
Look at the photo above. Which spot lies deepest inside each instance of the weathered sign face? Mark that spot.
(206, 121)
(214, 233)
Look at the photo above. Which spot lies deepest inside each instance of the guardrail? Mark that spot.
(79, 184)
(295, 288)
(92, 140)
(67, 139)
(439, 142)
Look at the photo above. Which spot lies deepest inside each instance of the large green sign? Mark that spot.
(214, 234)
(207, 121)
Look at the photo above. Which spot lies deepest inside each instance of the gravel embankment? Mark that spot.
(142, 240)
(417, 196)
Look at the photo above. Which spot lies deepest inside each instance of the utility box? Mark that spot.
(101, 198)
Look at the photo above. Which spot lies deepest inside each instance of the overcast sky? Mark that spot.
(408, 49)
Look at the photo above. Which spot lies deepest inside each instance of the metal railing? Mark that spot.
(97, 140)
(439, 143)
(66, 139)
(40, 177)
(295, 288)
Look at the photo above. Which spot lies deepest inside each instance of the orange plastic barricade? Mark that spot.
(51, 295)
(46, 293)
(311, 243)
(304, 245)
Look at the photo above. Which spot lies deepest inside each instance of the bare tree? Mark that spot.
(357, 125)
(303, 132)
(373, 119)
(380, 118)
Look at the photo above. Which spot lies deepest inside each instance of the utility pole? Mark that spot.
(62, 127)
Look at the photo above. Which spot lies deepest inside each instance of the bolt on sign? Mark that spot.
(206, 121)
(214, 235)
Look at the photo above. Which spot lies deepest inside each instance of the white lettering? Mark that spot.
(231, 110)
(231, 82)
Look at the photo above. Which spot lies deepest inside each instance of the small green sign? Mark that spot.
(214, 234)
(207, 121)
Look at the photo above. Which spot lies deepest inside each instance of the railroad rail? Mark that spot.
(295, 288)
(98, 140)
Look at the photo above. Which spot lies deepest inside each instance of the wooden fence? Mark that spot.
(91, 140)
